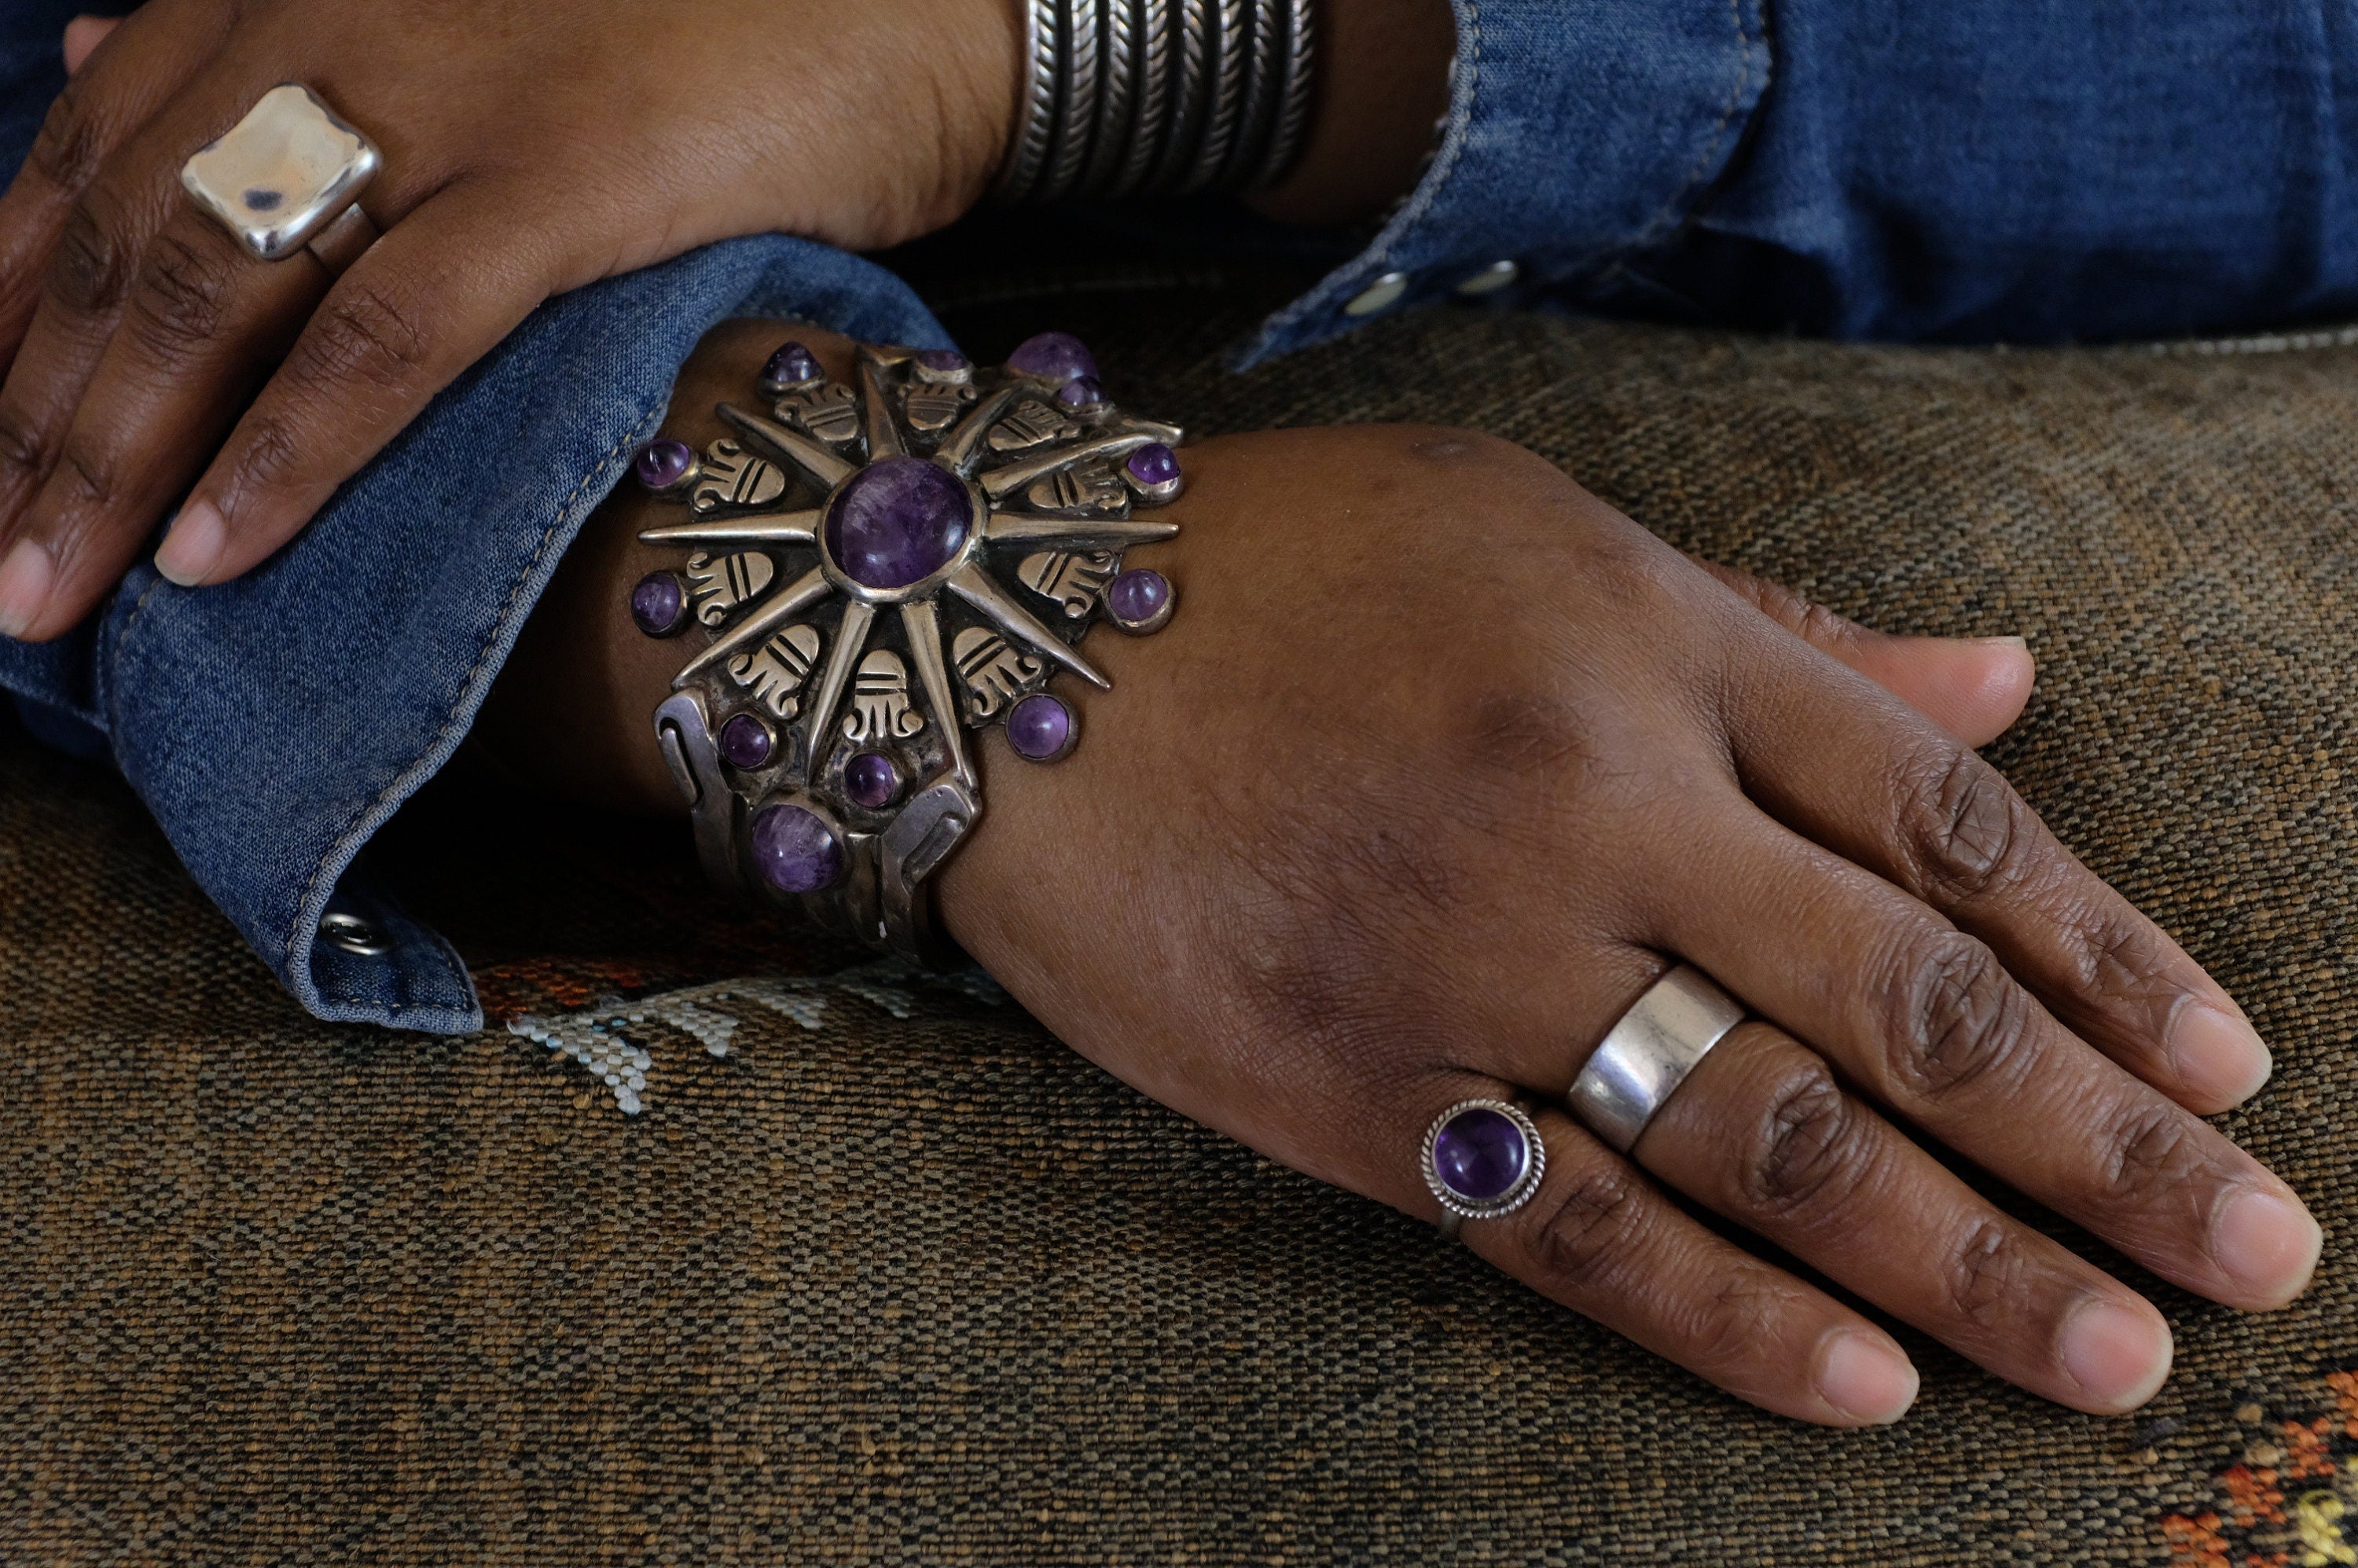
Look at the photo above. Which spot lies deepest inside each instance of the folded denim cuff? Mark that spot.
(1650, 98)
(274, 723)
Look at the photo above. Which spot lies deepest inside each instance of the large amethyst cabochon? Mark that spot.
(897, 521)
(1479, 1154)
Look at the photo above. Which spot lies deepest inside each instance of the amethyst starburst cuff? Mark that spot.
(878, 570)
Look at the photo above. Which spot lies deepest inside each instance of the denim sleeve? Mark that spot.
(1575, 134)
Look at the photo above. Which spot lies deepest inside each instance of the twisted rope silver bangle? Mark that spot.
(1035, 123)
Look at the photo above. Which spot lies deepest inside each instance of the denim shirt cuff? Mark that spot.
(1652, 97)
(274, 723)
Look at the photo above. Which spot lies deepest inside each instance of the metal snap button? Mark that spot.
(1490, 279)
(354, 934)
(1381, 295)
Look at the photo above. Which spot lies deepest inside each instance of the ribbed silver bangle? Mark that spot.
(1077, 106)
(1128, 97)
(1294, 98)
(1035, 123)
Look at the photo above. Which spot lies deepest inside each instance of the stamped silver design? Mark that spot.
(846, 657)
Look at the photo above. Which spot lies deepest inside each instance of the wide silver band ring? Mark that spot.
(287, 176)
(1647, 1054)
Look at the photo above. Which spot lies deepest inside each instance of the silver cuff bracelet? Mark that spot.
(878, 570)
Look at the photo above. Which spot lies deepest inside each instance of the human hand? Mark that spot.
(1439, 765)
(528, 150)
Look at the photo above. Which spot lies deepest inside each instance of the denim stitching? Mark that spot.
(1709, 158)
(343, 848)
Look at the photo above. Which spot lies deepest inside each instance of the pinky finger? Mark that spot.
(1601, 1239)
(436, 293)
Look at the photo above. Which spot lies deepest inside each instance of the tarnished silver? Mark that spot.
(1264, 82)
(1154, 38)
(1645, 1056)
(282, 175)
(1456, 1208)
(824, 669)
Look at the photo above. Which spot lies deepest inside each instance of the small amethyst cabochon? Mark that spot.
(1140, 599)
(663, 462)
(796, 852)
(1153, 463)
(791, 366)
(1041, 728)
(659, 604)
(1059, 356)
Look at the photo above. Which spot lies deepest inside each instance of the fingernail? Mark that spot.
(24, 587)
(2266, 1243)
(194, 545)
(1865, 1379)
(2219, 1057)
(2116, 1354)
(2021, 642)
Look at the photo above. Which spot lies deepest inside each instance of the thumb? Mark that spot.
(1974, 688)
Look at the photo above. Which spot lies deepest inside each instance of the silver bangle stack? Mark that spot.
(1170, 97)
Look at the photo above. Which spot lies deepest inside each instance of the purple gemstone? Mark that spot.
(746, 741)
(791, 366)
(1080, 392)
(1040, 727)
(661, 461)
(1153, 463)
(1138, 596)
(897, 521)
(872, 780)
(796, 852)
(1059, 356)
(948, 361)
(1479, 1154)
(659, 604)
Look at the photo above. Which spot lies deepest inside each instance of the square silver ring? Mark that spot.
(283, 173)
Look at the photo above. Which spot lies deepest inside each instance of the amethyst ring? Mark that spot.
(1483, 1158)
(877, 568)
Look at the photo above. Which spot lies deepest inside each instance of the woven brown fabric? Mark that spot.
(881, 1288)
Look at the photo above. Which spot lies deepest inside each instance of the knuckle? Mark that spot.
(95, 259)
(1811, 1149)
(71, 142)
(21, 446)
(2116, 954)
(2154, 1150)
(183, 294)
(1816, 624)
(1988, 1272)
(1737, 1328)
(1591, 1227)
(367, 334)
(1957, 1020)
(1960, 825)
(271, 455)
(89, 470)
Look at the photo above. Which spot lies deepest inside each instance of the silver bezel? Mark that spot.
(1514, 1197)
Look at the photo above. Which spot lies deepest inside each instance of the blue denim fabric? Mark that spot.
(2025, 170)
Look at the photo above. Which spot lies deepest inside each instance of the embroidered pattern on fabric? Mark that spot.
(2290, 1502)
(613, 1037)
